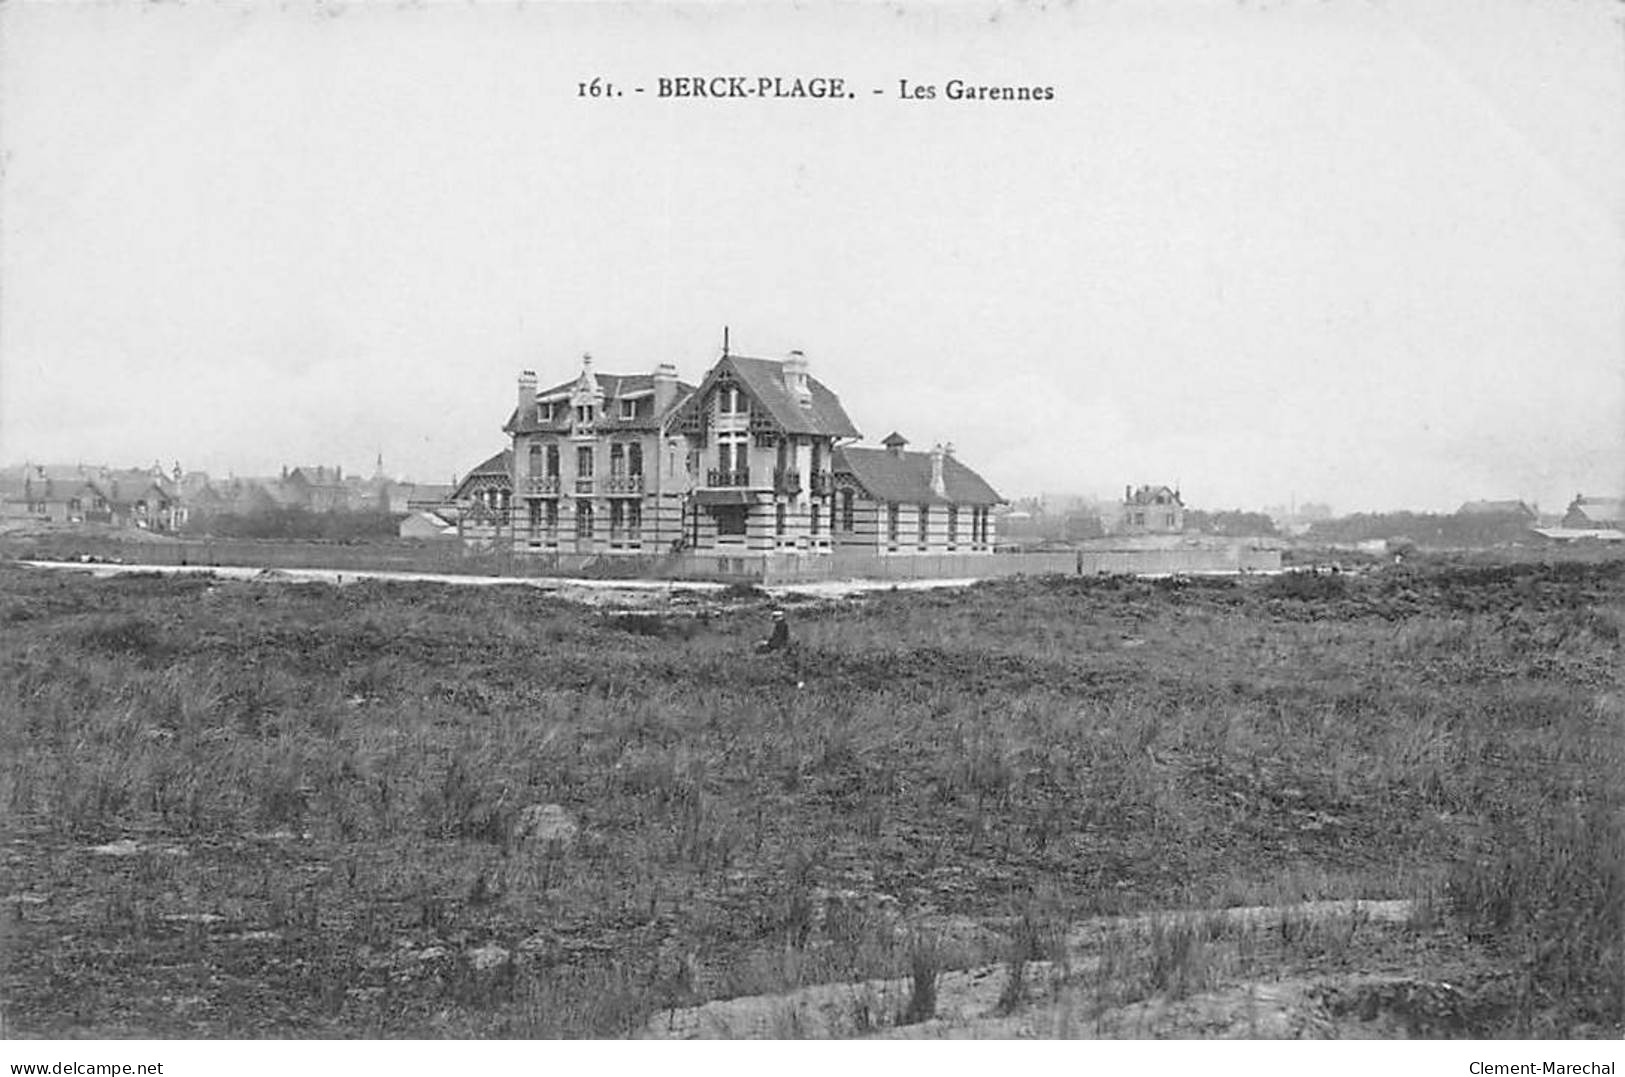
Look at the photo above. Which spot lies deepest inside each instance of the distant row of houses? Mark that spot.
(1583, 514)
(156, 500)
(759, 457)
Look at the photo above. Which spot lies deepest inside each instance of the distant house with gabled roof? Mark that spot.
(1151, 510)
(318, 488)
(890, 500)
(1595, 513)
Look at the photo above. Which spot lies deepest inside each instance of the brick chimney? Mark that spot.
(795, 378)
(938, 486)
(665, 379)
(527, 393)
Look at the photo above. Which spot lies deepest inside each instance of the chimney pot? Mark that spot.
(527, 392)
(665, 386)
(795, 376)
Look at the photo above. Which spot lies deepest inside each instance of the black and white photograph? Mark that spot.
(977, 521)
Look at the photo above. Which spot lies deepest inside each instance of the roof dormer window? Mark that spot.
(629, 409)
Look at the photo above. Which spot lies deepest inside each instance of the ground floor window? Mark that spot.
(780, 516)
(953, 524)
(730, 519)
(584, 519)
(815, 517)
(891, 521)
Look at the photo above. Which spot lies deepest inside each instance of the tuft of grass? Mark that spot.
(924, 966)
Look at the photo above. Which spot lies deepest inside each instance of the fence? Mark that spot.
(772, 568)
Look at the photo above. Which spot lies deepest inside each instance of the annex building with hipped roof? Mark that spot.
(891, 500)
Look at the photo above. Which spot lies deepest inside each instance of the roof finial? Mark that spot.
(725, 342)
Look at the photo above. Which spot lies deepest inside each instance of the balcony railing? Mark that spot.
(624, 484)
(586, 485)
(542, 485)
(787, 481)
(823, 484)
(722, 477)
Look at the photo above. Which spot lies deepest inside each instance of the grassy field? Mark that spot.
(265, 809)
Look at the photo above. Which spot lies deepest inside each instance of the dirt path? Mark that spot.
(1089, 991)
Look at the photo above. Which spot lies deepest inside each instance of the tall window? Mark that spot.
(891, 521)
(536, 514)
(733, 456)
(815, 517)
(634, 519)
(779, 519)
(730, 401)
(634, 459)
(552, 461)
(953, 524)
(550, 516)
(535, 458)
(847, 522)
(925, 523)
(617, 518)
(617, 459)
(584, 462)
(584, 519)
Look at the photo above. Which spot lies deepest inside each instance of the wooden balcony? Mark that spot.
(624, 486)
(719, 477)
(822, 484)
(542, 486)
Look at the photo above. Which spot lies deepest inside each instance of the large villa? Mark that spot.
(758, 459)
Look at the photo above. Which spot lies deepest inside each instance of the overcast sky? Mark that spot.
(1368, 254)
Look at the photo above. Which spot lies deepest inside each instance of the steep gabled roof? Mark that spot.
(1147, 495)
(764, 380)
(499, 466)
(906, 477)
